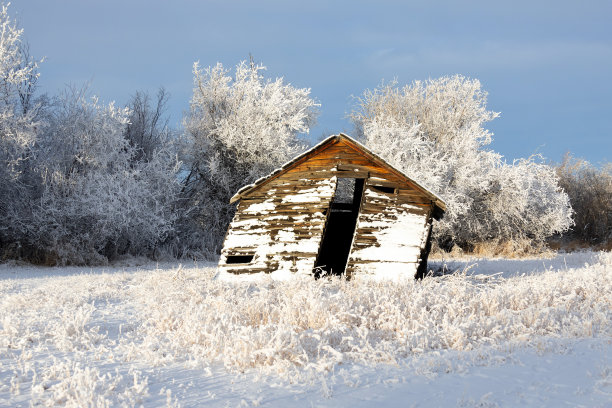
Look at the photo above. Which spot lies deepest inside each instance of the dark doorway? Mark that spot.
(340, 227)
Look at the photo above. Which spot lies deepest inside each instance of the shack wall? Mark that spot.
(281, 226)
(391, 233)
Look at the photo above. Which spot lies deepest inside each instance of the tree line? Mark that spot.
(84, 182)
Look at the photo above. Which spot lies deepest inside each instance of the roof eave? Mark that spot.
(437, 201)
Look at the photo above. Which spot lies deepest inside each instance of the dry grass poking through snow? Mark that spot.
(76, 340)
(318, 324)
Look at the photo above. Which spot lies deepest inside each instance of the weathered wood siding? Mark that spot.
(282, 226)
(391, 232)
(282, 222)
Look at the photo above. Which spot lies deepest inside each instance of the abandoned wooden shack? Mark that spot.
(337, 208)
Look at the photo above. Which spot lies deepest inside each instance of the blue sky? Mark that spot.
(547, 65)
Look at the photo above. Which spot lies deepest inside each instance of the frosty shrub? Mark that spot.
(241, 128)
(523, 201)
(434, 131)
(97, 199)
(590, 192)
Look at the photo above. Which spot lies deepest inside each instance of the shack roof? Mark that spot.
(248, 189)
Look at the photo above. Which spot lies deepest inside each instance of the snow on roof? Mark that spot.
(248, 188)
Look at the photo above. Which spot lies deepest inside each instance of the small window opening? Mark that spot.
(383, 189)
(239, 259)
(345, 191)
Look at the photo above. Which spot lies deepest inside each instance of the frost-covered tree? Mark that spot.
(435, 131)
(147, 129)
(590, 192)
(77, 184)
(97, 199)
(18, 123)
(241, 127)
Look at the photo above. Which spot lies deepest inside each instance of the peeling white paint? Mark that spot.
(263, 207)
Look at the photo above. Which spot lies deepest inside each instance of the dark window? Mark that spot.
(345, 191)
(239, 259)
(386, 190)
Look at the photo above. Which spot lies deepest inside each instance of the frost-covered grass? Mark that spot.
(127, 336)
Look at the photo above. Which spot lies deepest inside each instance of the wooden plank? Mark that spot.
(371, 214)
(362, 244)
(298, 226)
(281, 197)
(240, 250)
(356, 262)
(379, 202)
(415, 195)
(288, 189)
(330, 163)
(348, 166)
(267, 220)
(272, 233)
(371, 190)
(316, 166)
(278, 199)
(387, 176)
(320, 175)
(410, 191)
(339, 149)
(290, 209)
(309, 179)
(364, 230)
(305, 234)
(277, 192)
(334, 162)
(342, 160)
(398, 245)
(381, 205)
(281, 225)
(396, 206)
(247, 271)
(352, 174)
(421, 202)
(282, 203)
(380, 183)
(304, 255)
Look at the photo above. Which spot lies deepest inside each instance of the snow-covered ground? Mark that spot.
(532, 332)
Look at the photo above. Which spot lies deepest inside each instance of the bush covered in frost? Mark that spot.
(434, 131)
(590, 192)
(73, 188)
(97, 200)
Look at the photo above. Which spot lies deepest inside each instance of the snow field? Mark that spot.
(97, 339)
